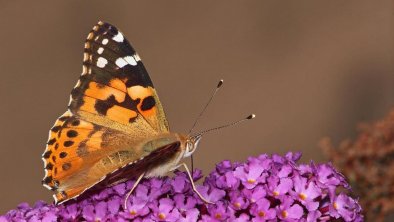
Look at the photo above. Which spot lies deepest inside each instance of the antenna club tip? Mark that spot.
(220, 83)
(251, 116)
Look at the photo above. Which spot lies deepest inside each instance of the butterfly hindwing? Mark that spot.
(113, 109)
(80, 154)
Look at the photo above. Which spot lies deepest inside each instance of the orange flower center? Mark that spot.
(162, 216)
(276, 193)
(284, 214)
(251, 181)
(218, 216)
(335, 205)
(261, 213)
(302, 196)
(133, 212)
(238, 205)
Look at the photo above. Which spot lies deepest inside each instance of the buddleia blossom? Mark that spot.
(264, 188)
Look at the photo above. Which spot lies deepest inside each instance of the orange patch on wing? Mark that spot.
(147, 113)
(139, 92)
(88, 105)
(65, 155)
(67, 160)
(120, 114)
(103, 92)
(94, 143)
(118, 84)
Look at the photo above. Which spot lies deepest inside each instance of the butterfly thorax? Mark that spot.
(161, 140)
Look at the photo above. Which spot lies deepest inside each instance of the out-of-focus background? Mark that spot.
(307, 69)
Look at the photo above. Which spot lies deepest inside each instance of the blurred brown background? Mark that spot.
(307, 69)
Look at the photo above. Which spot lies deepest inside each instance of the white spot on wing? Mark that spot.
(119, 37)
(130, 60)
(70, 100)
(45, 161)
(105, 41)
(101, 62)
(100, 50)
(84, 70)
(137, 57)
(78, 83)
(120, 62)
(47, 186)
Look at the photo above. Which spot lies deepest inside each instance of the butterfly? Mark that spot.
(115, 127)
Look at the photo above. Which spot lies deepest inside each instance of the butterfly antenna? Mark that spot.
(206, 105)
(251, 116)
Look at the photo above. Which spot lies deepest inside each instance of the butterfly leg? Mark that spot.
(192, 182)
(132, 189)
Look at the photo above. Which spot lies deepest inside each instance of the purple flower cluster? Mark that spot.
(264, 188)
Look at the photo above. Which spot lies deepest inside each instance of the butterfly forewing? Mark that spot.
(114, 82)
(113, 109)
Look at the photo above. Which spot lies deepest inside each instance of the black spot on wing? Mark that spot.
(62, 154)
(49, 166)
(132, 119)
(75, 122)
(59, 134)
(47, 180)
(148, 103)
(72, 133)
(47, 154)
(68, 143)
(102, 106)
(51, 141)
(56, 129)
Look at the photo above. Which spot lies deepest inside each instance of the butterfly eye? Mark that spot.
(189, 149)
(190, 146)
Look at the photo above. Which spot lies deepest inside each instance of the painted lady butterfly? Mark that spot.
(115, 127)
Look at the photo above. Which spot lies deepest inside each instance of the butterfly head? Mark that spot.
(191, 144)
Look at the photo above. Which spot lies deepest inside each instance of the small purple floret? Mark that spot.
(264, 188)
